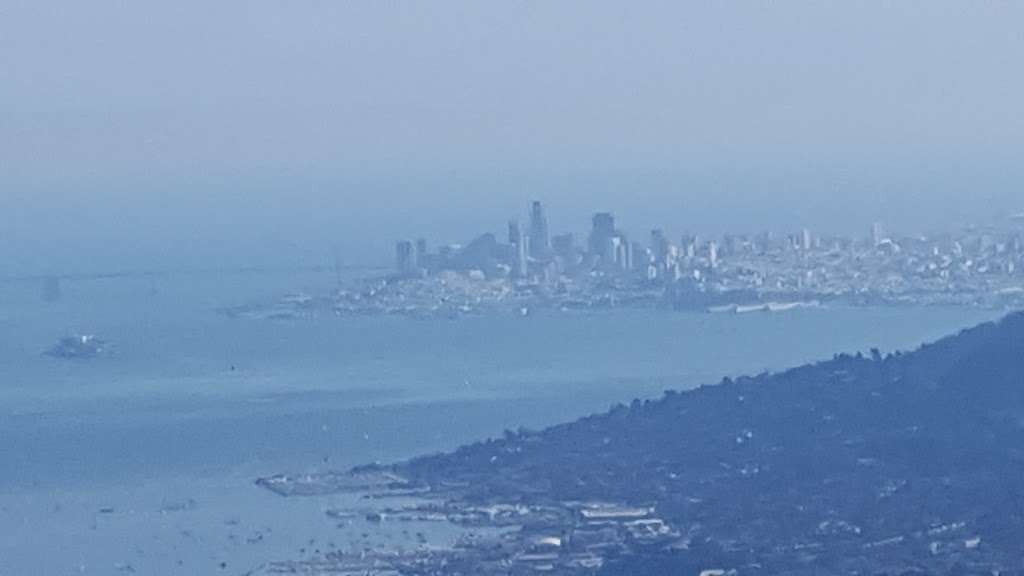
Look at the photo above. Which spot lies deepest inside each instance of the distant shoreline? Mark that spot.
(455, 295)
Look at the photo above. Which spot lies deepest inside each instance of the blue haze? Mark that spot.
(189, 136)
(268, 132)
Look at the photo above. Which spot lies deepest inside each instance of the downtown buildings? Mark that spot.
(982, 266)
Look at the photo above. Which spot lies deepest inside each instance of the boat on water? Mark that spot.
(78, 346)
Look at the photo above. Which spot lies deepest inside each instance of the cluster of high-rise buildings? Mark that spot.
(530, 267)
(972, 265)
(532, 252)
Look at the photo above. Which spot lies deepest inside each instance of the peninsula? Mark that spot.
(909, 463)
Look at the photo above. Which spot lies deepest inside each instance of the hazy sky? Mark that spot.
(165, 129)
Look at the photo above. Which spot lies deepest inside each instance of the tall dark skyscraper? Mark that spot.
(540, 242)
(601, 233)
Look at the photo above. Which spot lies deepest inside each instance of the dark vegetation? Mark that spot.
(868, 465)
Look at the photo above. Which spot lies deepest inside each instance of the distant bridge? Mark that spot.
(156, 273)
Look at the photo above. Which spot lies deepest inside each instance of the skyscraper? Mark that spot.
(404, 258)
(659, 248)
(876, 234)
(514, 232)
(520, 248)
(421, 253)
(620, 251)
(540, 242)
(601, 233)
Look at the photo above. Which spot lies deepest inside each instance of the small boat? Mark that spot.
(79, 346)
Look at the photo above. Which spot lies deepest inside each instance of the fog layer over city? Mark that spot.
(263, 132)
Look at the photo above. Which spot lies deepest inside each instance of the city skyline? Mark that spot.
(609, 244)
